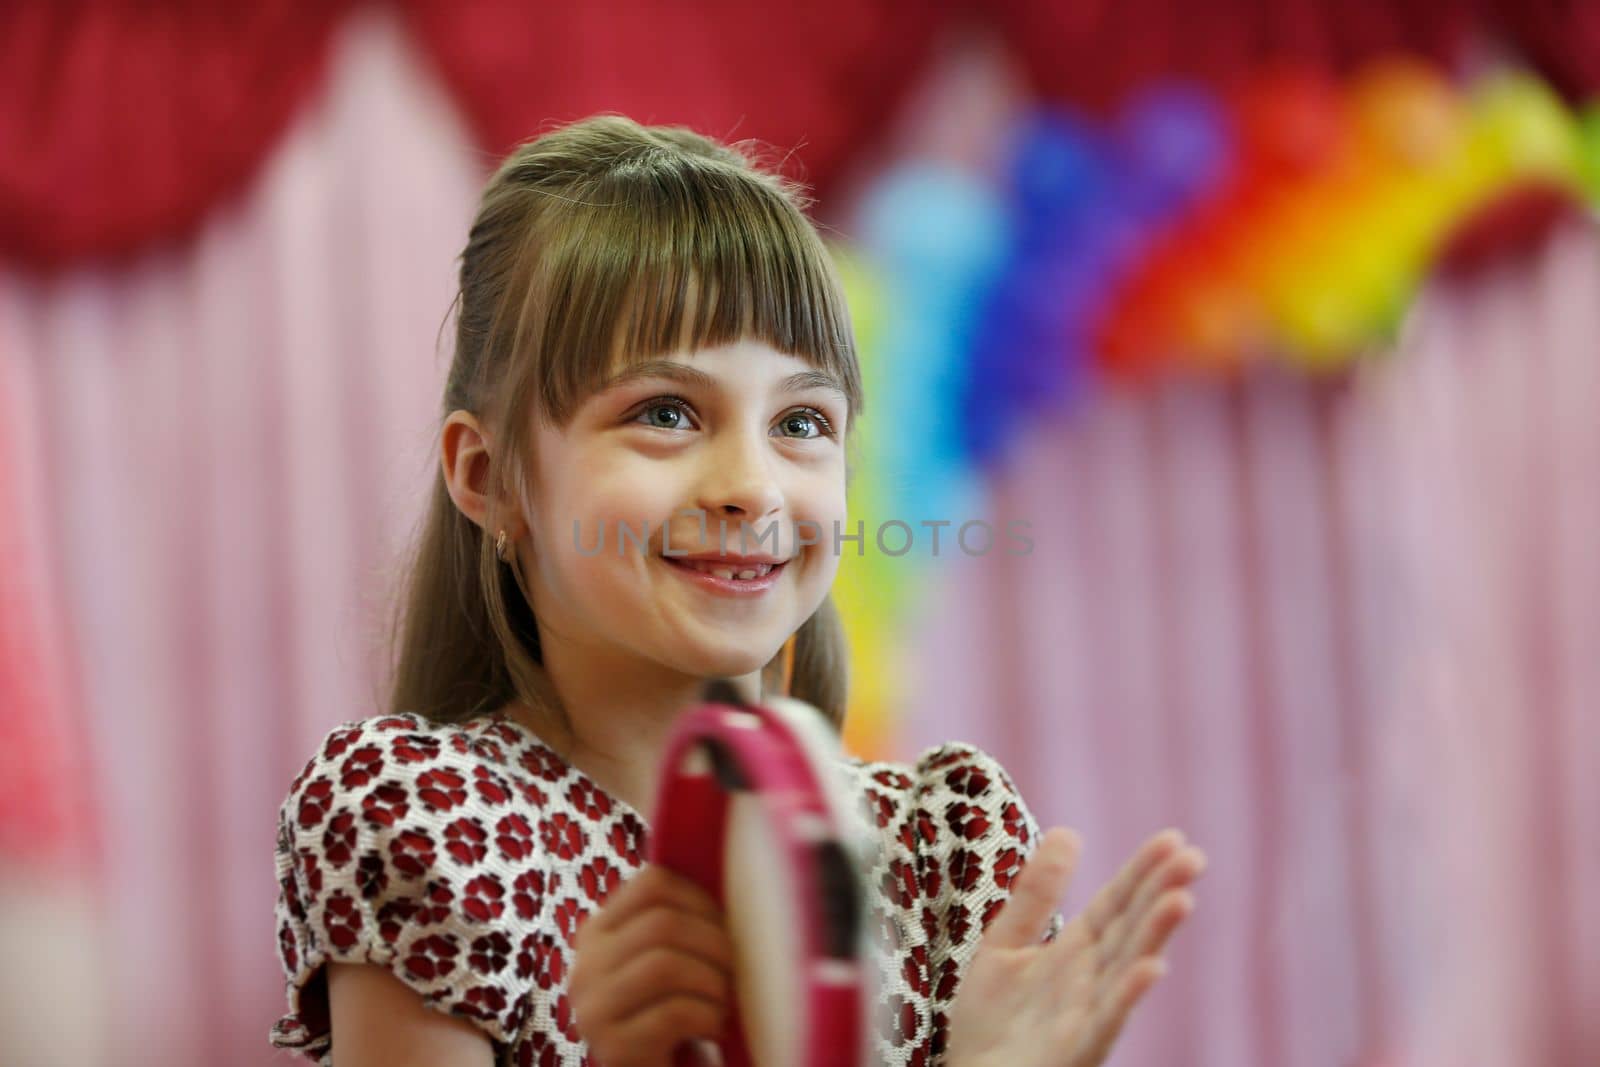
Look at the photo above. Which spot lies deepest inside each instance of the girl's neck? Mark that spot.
(622, 717)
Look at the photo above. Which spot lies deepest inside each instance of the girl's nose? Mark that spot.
(739, 482)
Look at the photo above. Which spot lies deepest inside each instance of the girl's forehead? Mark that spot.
(713, 360)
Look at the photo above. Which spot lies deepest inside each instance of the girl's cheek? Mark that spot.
(633, 520)
(824, 500)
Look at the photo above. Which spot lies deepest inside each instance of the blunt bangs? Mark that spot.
(668, 254)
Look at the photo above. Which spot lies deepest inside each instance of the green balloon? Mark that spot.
(1589, 151)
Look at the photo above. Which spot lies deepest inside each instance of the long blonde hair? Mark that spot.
(599, 237)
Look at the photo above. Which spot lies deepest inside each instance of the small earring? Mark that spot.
(500, 546)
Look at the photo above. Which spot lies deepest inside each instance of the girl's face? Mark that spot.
(648, 474)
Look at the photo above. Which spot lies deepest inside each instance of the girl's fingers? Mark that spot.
(653, 886)
(662, 1026)
(1178, 870)
(1043, 881)
(1114, 1011)
(1072, 939)
(1114, 895)
(1164, 918)
(691, 935)
(654, 975)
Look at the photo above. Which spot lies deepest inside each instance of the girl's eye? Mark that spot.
(665, 413)
(806, 419)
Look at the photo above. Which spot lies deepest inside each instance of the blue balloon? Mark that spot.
(939, 235)
(933, 228)
(1113, 240)
(990, 301)
(915, 436)
(1021, 361)
(1060, 169)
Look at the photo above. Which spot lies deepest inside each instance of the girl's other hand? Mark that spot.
(1062, 1004)
(652, 969)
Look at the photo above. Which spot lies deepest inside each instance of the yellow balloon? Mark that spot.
(1406, 212)
(863, 292)
(1524, 130)
(1316, 314)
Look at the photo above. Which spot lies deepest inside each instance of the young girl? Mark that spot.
(653, 358)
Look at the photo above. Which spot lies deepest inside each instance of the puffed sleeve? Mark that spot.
(982, 835)
(397, 848)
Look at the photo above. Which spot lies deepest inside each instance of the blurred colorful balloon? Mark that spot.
(1176, 144)
(932, 229)
(1524, 130)
(1407, 114)
(1059, 169)
(1291, 121)
(1589, 151)
(937, 236)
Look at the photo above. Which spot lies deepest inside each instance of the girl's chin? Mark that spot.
(706, 661)
(723, 666)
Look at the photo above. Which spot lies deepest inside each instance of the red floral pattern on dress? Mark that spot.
(463, 857)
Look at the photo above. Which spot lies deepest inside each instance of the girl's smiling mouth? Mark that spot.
(728, 575)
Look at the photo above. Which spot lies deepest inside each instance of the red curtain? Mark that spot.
(1094, 52)
(122, 124)
(1560, 37)
(817, 80)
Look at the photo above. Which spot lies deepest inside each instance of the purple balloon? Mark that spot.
(1177, 143)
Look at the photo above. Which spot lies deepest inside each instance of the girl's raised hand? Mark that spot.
(652, 969)
(1062, 1004)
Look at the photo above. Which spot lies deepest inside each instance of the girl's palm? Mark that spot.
(1062, 1004)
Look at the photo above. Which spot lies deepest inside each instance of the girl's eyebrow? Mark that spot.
(682, 372)
(660, 368)
(812, 379)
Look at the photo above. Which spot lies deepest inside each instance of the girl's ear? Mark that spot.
(464, 453)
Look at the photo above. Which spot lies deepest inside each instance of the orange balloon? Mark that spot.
(1408, 114)
(1220, 326)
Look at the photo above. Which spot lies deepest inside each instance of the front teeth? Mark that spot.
(728, 572)
(723, 572)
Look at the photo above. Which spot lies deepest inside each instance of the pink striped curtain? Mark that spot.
(233, 442)
(50, 895)
(46, 827)
(1348, 638)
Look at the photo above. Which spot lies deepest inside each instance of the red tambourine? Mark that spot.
(753, 806)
